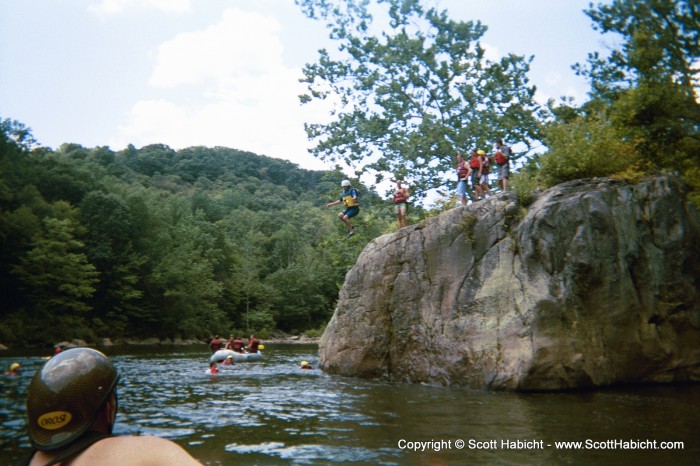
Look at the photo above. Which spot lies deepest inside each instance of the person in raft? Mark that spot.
(71, 411)
(253, 344)
(305, 365)
(350, 198)
(238, 346)
(216, 344)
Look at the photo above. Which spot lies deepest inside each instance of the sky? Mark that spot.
(223, 72)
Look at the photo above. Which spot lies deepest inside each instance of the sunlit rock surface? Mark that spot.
(594, 283)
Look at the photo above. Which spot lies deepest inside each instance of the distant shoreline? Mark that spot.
(292, 341)
(108, 343)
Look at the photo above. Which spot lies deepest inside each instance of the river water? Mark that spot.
(270, 412)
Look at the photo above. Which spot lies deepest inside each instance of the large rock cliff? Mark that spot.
(596, 282)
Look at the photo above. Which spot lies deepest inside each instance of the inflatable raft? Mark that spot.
(221, 355)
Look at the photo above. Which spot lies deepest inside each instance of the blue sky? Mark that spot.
(222, 72)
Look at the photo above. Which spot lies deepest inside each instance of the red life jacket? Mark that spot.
(462, 170)
(485, 167)
(501, 158)
(474, 162)
(215, 345)
(399, 197)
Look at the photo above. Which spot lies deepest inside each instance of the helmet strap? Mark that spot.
(113, 404)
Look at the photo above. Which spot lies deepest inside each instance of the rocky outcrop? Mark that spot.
(595, 283)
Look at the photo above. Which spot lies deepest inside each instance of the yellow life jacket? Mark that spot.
(349, 200)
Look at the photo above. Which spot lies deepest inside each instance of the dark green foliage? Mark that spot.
(644, 112)
(157, 242)
(659, 42)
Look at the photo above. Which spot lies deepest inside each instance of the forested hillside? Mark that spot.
(158, 242)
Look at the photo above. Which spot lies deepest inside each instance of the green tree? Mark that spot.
(56, 272)
(650, 81)
(16, 134)
(659, 39)
(253, 295)
(584, 148)
(408, 97)
(186, 290)
(109, 247)
(644, 113)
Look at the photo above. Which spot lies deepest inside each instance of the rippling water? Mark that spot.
(270, 412)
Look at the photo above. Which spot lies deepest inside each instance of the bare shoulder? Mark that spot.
(135, 450)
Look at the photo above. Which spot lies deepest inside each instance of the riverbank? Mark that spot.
(294, 339)
(155, 341)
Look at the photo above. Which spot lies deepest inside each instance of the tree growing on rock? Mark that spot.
(644, 95)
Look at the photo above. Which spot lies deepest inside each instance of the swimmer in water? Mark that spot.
(15, 369)
(212, 368)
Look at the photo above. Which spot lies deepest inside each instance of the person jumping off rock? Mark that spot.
(350, 198)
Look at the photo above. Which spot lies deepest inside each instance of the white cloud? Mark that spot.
(227, 86)
(491, 52)
(555, 87)
(147, 117)
(109, 7)
(241, 43)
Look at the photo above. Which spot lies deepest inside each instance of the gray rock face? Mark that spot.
(595, 283)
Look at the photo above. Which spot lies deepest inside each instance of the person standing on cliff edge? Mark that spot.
(484, 171)
(502, 159)
(400, 202)
(350, 198)
(463, 174)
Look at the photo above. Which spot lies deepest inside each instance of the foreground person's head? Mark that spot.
(68, 395)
